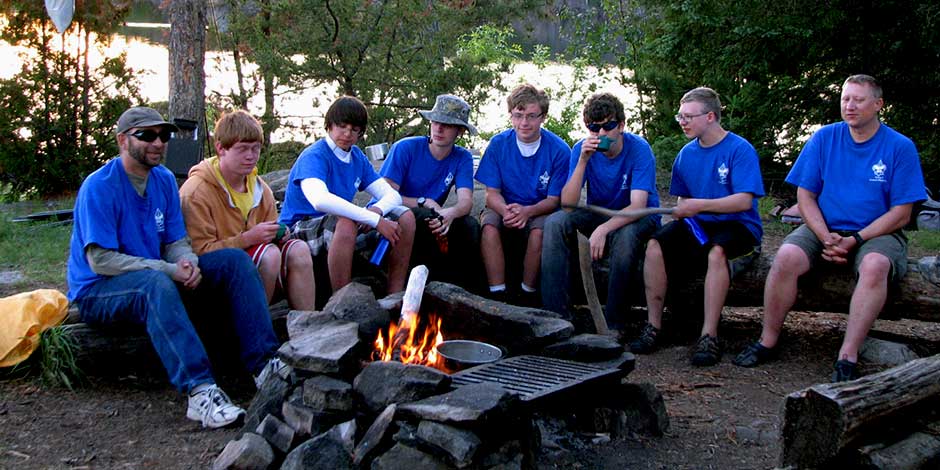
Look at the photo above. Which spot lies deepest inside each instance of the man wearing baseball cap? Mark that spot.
(424, 169)
(131, 262)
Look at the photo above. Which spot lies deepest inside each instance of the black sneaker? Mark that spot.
(754, 354)
(845, 371)
(707, 351)
(646, 342)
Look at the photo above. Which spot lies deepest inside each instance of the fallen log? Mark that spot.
(825, 422)
(919, 450)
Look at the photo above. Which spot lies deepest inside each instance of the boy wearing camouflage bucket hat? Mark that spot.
(423, 170)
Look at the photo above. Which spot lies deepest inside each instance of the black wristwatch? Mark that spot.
(858, 238)
(421, 201)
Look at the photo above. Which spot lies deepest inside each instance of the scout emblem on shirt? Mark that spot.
(879, 170)
(158, 218)
(543, 180)
(723, 174)
(448, 179)
(357, 182)
(623, 185)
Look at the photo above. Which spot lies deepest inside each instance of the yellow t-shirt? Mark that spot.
(243, 201)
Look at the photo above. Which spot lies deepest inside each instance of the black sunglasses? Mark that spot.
(149, 135)
(607, 126)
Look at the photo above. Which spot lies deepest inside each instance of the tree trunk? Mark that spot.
(824, 421)
(187, 62)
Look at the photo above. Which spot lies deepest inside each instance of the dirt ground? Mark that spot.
(721, 417)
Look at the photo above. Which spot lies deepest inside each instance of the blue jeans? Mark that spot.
(624, 246)
(230, 285)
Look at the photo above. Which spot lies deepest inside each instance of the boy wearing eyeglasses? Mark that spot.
(130, 262)
(523, 169)
(717, 228)
(227, 205)
(318, 205)
(620, 173)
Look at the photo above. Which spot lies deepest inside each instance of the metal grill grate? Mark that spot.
(533, 377)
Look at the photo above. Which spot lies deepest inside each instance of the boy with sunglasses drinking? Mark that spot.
(523, 169)
(622, 176)
(716, 229)
(130, 261)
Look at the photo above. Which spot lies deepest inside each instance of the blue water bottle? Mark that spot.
(696, 229)
(379, 252)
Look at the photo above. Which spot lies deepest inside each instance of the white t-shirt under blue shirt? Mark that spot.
(524, 180)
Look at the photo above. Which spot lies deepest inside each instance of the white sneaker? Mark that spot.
(274, 366)
(212, 407)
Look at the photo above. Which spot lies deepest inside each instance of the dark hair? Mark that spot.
(600, 106)
(525, 94)
(347, 110)
(862, 79)
(708, 98)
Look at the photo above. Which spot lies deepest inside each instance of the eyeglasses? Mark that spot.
(150, 135)
(607, 126)
(526, 117)
(689, 117)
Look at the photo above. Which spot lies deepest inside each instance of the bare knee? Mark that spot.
(874, 268)
(790, 261)
(654, 251)
(490, 234)
(299, 257)
(270, 263)
(535, 240)
(344, 234)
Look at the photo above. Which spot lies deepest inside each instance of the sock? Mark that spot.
(526, 288)
(498, 288)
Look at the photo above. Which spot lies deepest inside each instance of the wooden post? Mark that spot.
(590, 290)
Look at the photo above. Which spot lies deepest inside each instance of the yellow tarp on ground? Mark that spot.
(23, 317)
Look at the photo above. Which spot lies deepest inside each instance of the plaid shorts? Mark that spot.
(318, 231)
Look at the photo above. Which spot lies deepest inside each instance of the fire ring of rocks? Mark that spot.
(338, 408)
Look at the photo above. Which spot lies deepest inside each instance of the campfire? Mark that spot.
(411, 342)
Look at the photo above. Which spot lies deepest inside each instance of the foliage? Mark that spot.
(57, 121)
(395, 56)
(56, 363)
(779, 66)
(38, 250)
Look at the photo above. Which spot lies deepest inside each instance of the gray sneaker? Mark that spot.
(707, 351)
(213, 408)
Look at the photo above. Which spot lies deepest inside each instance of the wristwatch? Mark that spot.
(421, 201)
(858, 238)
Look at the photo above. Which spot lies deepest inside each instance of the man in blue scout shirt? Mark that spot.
(621, 177)
(857, 181)
(130, 261)
(717, 179)
(423, 170)
(523, 169)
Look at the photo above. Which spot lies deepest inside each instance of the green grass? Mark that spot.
(925, 241)
(37, 250)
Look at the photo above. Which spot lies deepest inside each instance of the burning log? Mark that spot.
(824, 421)
(411, 341)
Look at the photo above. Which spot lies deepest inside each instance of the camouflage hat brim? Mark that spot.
(435, 116)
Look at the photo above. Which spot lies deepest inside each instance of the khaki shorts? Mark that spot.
(893, 246)
(491, 217)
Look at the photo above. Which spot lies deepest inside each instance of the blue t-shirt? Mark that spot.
(857, 183)
(342, 179)
(418, 174)
(728, 167)
(610, 180)
(524, 180)
(110, 214)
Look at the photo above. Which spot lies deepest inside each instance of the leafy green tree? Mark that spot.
(779, 66)
(58, 116)
(394, 55)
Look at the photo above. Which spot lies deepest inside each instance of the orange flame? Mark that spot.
(403, 343)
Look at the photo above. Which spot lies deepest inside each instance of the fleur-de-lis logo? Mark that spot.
(543, 180)
(723, 174)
